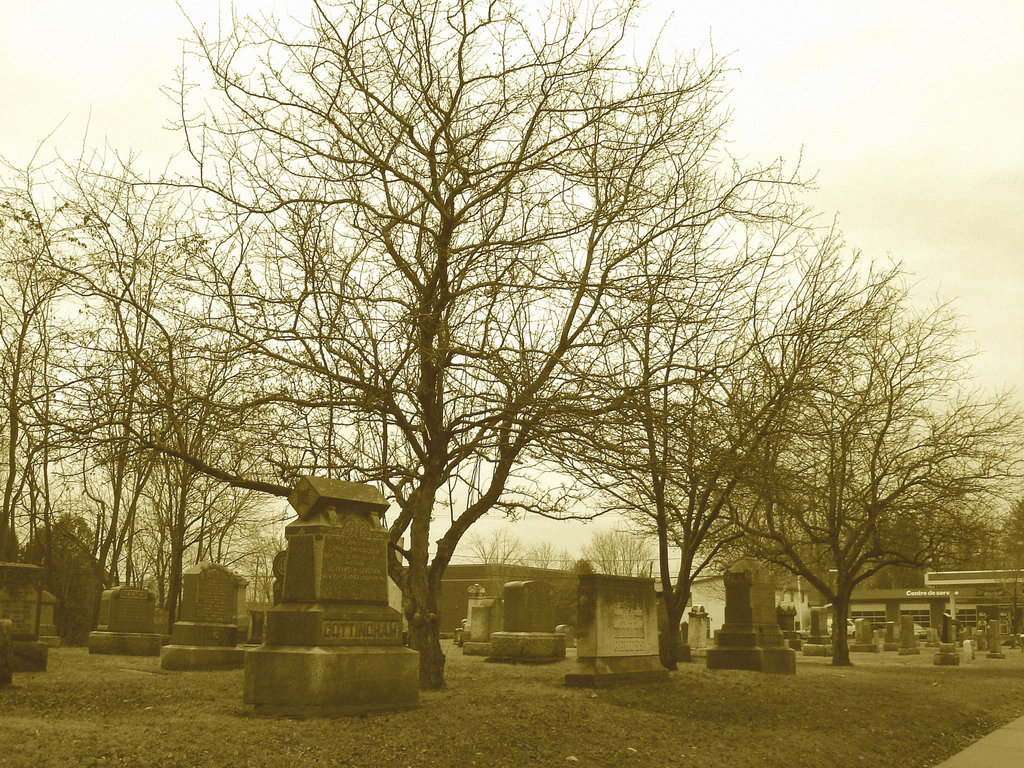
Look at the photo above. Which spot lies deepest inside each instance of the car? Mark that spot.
(920, 632)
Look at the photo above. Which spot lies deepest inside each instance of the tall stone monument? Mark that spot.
(617, 620)
(125, 626)
(908, 638)
(750, 638)
(947, 654)
(698, 631)
(333, 645)
(819, 642)
(21, 591)
(483, 617)
(207, 634)
(47, 620)
(863, 637)
(995, 641)
(892, 636)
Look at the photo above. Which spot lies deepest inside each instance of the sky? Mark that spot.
(909, 115)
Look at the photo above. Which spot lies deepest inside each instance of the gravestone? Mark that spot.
(617, 639)
(995, 642)
(750, 638)
(482, 619)
(967, 650)
(257, 621)
(932, 640)
(47, 620)
(892, 636)
(528, 621)
(819, 642)
(333, 645)
(698, 632)
(786, 618)
(125, 625)
(21, 591)
(908, 638)
(947, 655)
(206, 635)
(863, 637)
(6, 651)
(568, 633)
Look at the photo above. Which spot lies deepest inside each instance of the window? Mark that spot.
(877, 618)
(922, 616)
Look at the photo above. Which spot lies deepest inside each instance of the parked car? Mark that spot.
(920, 632)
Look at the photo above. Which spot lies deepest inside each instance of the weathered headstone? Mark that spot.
(908, 638)
(257, 621)
(699, 631)
(481, 620)
(863, 637)
(750, 638)
(617, 640)
(892, 636)
(6, 651)
(967, 651)
(125, 625)
(206, 635)
(47, 620)
(786, 617)
(819, 642)
(528, 622)
(21, 590)
(333, 645)
(947, 655)
(995, 642)
(932, 639)
(568, 633)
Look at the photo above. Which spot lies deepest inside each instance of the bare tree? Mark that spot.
(884, 454)
(428, 203)
(501, 547)
(620, 552)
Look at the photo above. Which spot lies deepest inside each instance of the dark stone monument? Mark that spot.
(125, 625)
(819, 642)
(333, 645)
(947, 655)
(908, 639)
(698, 631)
(995, 641)
(892, 636)
(483, 617)
(618, 632)
(750, 638)
(21, 592)
(206, 635)
(527, 633)
(786, 618)
(257, 621)
(47, 620)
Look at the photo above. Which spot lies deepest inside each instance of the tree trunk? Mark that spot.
(668, 648)
(424, 637)
(840, 642)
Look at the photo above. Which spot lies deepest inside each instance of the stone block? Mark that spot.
(909, 651)
(947, 656)
(610, 671)
(816, 649)
(527, 647)
(529, 606)
(29, 656)
(772, 660)
(469, 648)
(195, 633)
(183, 658)
(126, 643)
(864, 648)
(330, 681)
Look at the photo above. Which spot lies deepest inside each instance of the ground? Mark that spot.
(886, 710)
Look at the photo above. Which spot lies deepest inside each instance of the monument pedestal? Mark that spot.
(196, 645)
(333, 646)
(469, 648)
(125, 643)
(29, 655)
(816, 649)
(527, 647)
(606, 672)
(947, 656)
(864, 648)
(207, 634)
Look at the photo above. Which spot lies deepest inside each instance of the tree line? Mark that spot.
(457, 250)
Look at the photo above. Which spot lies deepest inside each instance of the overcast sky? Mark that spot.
(911, 114)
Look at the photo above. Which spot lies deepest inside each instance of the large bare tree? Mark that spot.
(427, 204)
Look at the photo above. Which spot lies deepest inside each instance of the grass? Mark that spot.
(887, 710)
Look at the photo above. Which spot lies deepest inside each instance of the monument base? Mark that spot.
(194, 633)
(891, 647)
(815, 649)
(470, 648)
(779, 661)
(527, 647)
(327, 681)
(52, 641)
(616, 670)
(864, 648)
(182, 658)
(910, 651)
(29, 656)
(947, 656)
(125, 643)
(995, 655)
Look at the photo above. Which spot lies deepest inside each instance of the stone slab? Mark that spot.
(864, 648)
(29, 656)
(328, 682)
(910, 652)
(125, 643)
(527, 647)
(332, 625)
(781, 661)
(203, 634)
(616, 670)
(183, 658)
(470, 648)
(816, 649)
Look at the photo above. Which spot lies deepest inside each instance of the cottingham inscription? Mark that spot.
(339, 629)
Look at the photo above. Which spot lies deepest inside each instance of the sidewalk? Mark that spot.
(1003, 748)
